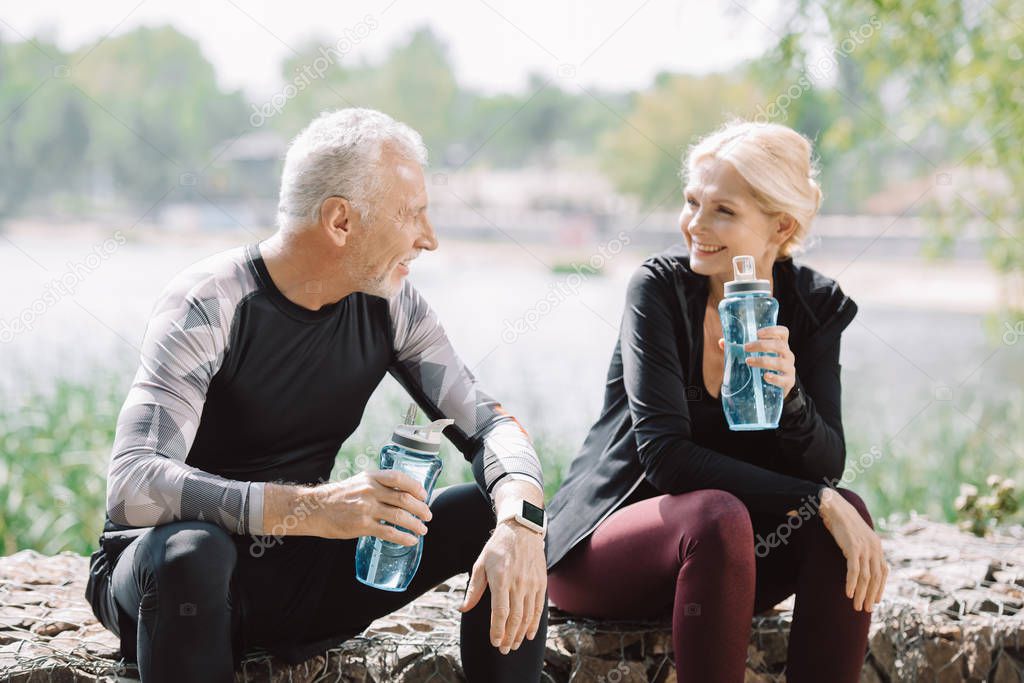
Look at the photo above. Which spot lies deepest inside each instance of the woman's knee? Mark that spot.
(715, 519)
(192, 553)
(858, 503)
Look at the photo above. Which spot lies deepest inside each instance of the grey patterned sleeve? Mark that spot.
(148, 482)
(428, 367)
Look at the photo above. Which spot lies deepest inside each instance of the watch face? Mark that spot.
(532, 513)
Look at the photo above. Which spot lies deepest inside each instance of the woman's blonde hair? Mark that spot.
(776, 162)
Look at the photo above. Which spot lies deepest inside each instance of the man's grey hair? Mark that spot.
(337, 156)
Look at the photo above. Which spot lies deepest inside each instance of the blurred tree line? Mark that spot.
(122, 118)
(903, 91)
(126, 117)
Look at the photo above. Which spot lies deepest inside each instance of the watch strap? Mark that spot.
(514, 510)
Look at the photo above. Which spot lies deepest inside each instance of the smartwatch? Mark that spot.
(794, 402)
(525, 513)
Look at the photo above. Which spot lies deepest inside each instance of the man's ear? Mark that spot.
(337, 219)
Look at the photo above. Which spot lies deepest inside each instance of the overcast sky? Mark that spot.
(493, 45)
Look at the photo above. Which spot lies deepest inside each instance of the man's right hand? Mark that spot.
(349, 508)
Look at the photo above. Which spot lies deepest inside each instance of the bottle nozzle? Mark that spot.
(743, 268)
(410, 414)
(435, 426)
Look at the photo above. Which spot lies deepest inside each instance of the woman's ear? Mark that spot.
(785, 226)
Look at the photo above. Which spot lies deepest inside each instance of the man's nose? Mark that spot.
(428, 238)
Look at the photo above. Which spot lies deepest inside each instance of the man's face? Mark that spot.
(399, 231)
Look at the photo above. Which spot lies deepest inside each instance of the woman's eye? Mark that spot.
(691, 202)
(727, 212)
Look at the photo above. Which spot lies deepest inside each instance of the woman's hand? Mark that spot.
(866, 569)
(782, 365)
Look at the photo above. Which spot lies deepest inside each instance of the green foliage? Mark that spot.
(126, 115)
(416, 84)
(53, 459)
(938, 86)
(922, 469)
(979, 514)
(644, 154)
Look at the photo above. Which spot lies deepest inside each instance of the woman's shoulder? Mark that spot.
(669, 265)
(665, 277)
(819, 300)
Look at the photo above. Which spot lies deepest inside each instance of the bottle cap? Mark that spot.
(745, 278)
(423, 438)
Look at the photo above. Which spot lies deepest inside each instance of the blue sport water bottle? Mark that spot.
(413, 449)
(748, 400)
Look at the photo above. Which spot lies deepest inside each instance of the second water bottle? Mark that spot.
(748, 400)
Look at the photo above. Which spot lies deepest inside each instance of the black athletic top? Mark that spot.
(660, 431)
(238, 385)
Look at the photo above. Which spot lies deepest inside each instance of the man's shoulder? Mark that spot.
(406, 304)
(220, 279)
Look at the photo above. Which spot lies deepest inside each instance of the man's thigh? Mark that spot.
(461, 524)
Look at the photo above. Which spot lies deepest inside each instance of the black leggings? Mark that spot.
(201, 596)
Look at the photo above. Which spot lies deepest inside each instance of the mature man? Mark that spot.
(256, 365)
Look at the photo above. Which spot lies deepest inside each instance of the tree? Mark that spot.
(154, 109)
(941, 81)
(643, 155)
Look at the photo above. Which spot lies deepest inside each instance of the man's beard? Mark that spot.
(379, 285)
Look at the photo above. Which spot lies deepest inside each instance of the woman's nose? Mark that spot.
(694, 223)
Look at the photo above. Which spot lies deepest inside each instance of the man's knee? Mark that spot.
(193, 553)
(858, 503)
(463, 522)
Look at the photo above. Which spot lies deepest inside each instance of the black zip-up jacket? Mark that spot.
(660, 431)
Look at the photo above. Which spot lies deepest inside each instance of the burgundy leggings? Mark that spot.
(693, 556)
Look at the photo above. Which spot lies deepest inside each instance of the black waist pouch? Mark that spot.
(97, 587)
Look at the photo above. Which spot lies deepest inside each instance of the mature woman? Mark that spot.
(667, 511)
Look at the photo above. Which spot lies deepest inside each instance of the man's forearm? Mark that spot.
(511, 489)
(289, 509)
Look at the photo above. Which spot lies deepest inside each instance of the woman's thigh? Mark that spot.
(629, 566)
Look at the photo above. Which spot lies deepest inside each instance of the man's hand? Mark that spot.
(512, 564)
(349, 508)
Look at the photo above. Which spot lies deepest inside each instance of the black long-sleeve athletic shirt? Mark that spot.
(238, 385)
(660, 431)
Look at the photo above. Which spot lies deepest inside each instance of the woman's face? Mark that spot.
(720, 220)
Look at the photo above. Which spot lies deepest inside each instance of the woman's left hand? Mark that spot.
(783, 365)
